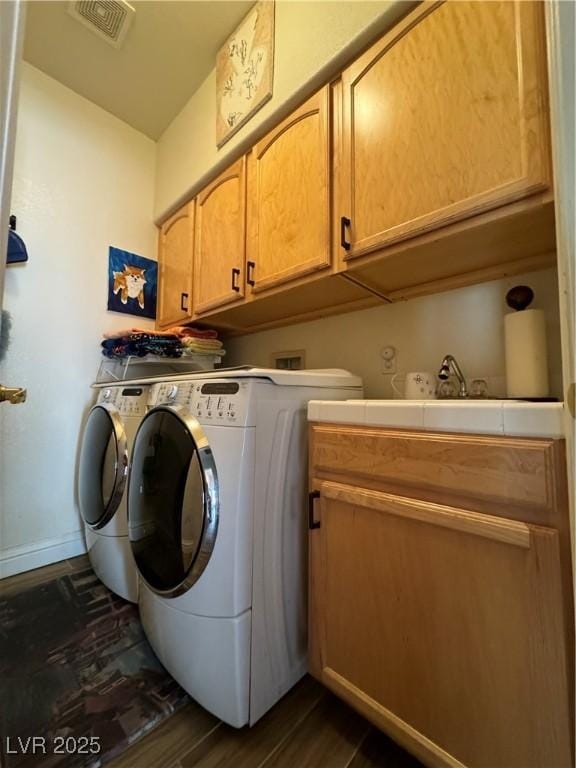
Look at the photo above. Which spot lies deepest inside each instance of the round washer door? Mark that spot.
(173, 500)
(103, 465)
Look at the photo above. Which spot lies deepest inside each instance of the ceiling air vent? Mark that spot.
(109, 19)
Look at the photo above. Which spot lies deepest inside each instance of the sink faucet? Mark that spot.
(449, 365)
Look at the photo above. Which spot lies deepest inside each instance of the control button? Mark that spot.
(172, 392)
(220, 414)
(209, 414)
(107, 394)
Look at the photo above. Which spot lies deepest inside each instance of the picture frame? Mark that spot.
(132, 283)
(245, 71)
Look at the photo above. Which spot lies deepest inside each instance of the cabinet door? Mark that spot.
(289, 198)
(444, 118)
(220, 240)
(444, 627)
(175, 251)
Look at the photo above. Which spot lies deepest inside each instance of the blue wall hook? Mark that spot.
(17, 252)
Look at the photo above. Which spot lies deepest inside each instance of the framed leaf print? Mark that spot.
(245, 71)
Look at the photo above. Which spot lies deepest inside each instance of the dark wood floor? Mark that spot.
(308, 728)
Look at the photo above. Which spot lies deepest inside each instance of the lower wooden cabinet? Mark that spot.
(448, 628)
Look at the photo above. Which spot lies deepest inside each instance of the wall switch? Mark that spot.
(388, 356)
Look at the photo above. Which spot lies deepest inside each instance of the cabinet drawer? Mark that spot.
(501, 476)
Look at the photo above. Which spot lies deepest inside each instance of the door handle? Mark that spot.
(235, 274)
(312, 496)
(14, 395)
(250, 266)
(184, 302)
(344, 222)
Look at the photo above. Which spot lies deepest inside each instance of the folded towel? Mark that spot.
(123, 332)
(185, 331)
(187, 352)
(179, 331)
(202, 343)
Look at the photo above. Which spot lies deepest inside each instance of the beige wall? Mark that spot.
(311, 38)
(83, 180)
(467, 323)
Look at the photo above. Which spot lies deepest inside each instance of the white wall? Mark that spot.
(313, 40)
(467, 323)
(84, 180)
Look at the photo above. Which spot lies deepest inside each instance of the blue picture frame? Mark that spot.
(132, 283)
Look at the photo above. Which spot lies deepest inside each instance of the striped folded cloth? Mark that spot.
(140, 345)
(189, 352)
(203, 344)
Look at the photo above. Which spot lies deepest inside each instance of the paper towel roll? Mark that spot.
(526, 354)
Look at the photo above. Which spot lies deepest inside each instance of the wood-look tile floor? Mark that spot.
(308, 728)
(23, 581)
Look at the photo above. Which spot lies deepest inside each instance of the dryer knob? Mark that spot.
(107, 394)
(172, 392)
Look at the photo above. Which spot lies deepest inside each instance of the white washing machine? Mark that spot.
(217, 508)
(102, 477)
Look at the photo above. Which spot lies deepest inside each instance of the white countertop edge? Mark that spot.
(491, 417)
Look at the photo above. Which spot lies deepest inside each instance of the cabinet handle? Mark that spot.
(184, 302)
(344, 222)
(235, 274)
(250, 272)
(312, 496)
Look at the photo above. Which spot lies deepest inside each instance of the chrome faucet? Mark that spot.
(449, 365)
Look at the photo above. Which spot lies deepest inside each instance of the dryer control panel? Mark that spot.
(218, 401)
(223, 403)
(129, 400)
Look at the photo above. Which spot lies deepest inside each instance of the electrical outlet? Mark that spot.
(388, 357)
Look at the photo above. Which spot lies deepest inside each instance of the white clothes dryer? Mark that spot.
(217, 509)
(102, 476)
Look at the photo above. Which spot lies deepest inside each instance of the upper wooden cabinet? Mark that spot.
(175, 247)
(220, 240)
(425, 167)
(444, 118)
(289, 198)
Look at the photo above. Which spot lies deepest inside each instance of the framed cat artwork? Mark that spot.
(132, 283)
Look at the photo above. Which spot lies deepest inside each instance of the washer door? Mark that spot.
(103, 465)
(173, 500)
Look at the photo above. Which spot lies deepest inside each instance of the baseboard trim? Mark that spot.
(27, 557)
